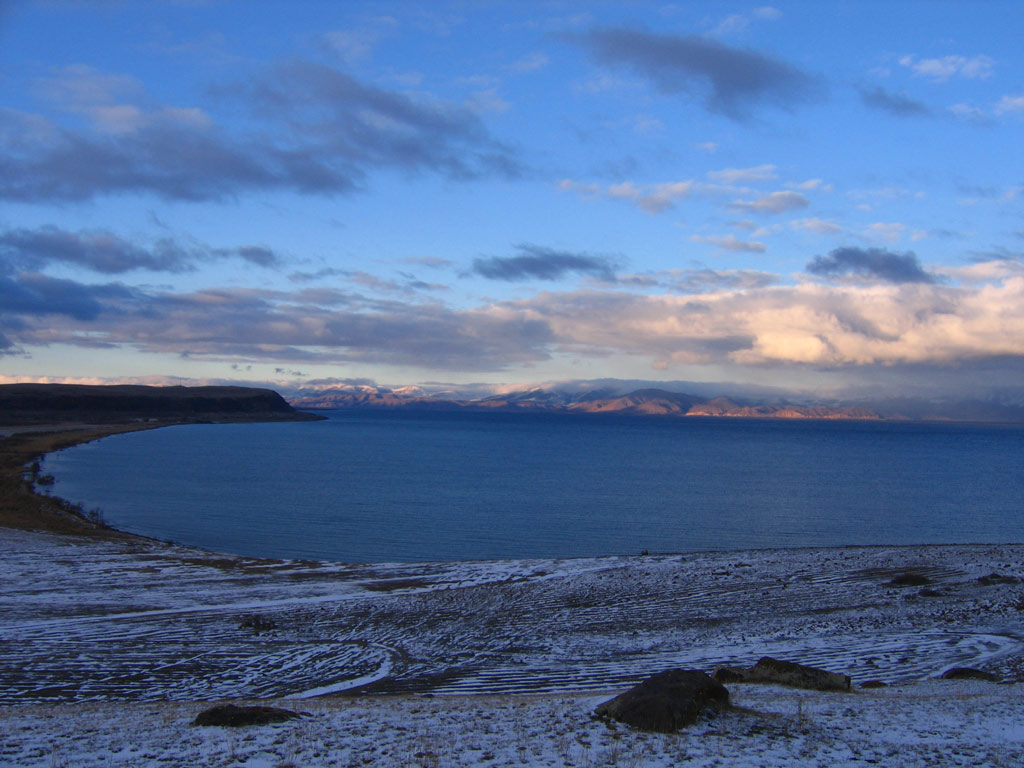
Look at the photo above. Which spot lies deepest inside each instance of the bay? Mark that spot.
(400, 486)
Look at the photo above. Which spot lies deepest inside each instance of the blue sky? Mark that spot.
(825, 196)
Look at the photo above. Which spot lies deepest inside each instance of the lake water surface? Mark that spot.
(372, 486)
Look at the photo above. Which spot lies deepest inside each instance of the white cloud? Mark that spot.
(708, 147)
(832, 326)
(774, 202)
(969, 113)
(734, 23)
(487, 101)
(726, 318)
(991, 271)
(531, 62)
(743, 175)
(886, 231)
(810, 185)
(738, 23)
(410, 79)
(768, 13)
(652, 198)
(1010, 104)
(587, 190)
(114, 104)
(647, 124)
(608, 84)
(884, 193)
(350, 45)
(731, 243)
(941, 69)
(818, 226)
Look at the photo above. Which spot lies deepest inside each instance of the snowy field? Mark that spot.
(941, 723)
(109, 649)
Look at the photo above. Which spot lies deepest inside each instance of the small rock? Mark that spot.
(910, 579)
(257, 623)
(874, 684)
(732, 675)
(788, 673)
(996, 578)
(667, 701)
(928, 592)
(234, 716)
(968, 673)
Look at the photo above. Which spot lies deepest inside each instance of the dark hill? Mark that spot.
(56, 403)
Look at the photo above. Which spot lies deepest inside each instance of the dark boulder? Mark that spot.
(997, 578)
(234, 715)
(667, 701)
(787, 673)
(257, 623)
(910, 579)
(874, 684)
(967, 673)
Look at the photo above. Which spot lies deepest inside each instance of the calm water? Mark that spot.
(400, 486)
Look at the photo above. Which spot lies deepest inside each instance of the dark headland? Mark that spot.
(36, 419)
(26, 404)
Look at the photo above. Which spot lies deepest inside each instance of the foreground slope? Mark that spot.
(108, 649)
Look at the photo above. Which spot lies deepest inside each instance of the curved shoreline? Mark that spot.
(22, 447)
(23, 507)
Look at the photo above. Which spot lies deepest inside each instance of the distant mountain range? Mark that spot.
(640, 402)
(608, 396)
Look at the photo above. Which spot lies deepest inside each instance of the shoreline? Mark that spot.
(23, 446)
(845, 536)
(24, 508)
(21, 505)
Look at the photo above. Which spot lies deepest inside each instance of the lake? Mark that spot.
(398, 486)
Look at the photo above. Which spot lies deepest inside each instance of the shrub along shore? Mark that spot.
(22, 507)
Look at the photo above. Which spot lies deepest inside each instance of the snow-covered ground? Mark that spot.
(939, 723)
(109, 649)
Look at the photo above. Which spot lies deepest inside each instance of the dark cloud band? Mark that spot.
(732, 80)
(104, 252)
(311, 129)
(871, 262)
(538, 263)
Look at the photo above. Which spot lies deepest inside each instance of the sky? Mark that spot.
(824, 196)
